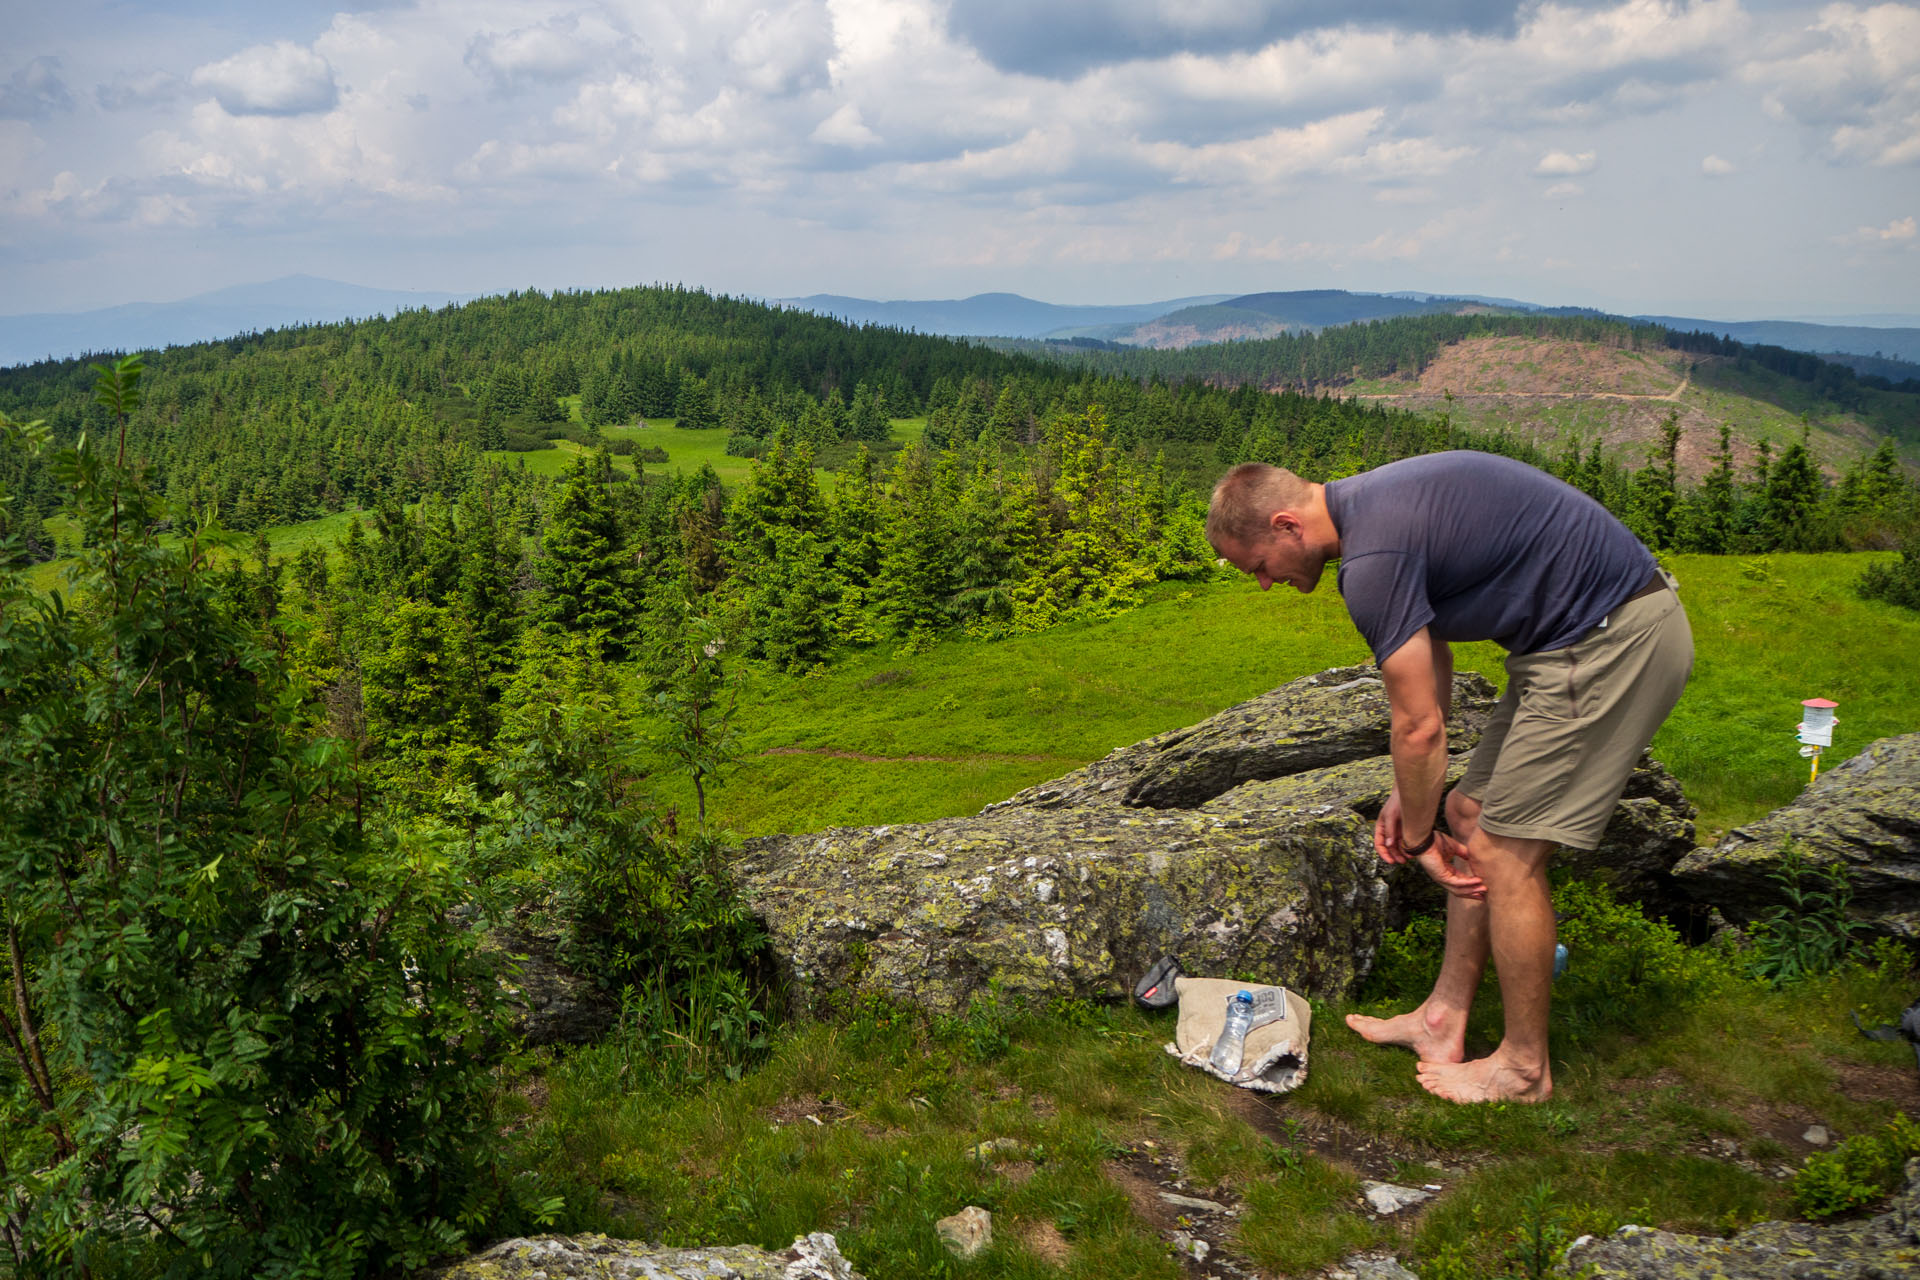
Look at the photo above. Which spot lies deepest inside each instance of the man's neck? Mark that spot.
(1317, 524)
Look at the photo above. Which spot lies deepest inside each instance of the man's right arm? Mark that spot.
(1419, 680)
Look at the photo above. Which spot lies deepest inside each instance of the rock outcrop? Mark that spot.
(1863, 815)
(596, 1257)
(550, 1002)
(1876, 1248)
(1331, 718)
(1244, 842)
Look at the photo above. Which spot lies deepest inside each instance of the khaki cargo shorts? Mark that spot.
(1561, 743)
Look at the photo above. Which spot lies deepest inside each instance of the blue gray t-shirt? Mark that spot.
(1474, 546)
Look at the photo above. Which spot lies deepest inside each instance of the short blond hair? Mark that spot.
(1246, 498)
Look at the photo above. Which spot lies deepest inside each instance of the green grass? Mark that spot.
(967, 722)
(283, 542)
(687, 450)
(1090, 1110)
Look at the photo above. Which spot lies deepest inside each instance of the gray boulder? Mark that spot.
(596, 1257)
(1244, 843)
(1877, 1248)
(1071, 902)
(1863, 815)
(1330, 718)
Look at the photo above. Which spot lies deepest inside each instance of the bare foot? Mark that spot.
(1433, 1037)
(1490, 1079)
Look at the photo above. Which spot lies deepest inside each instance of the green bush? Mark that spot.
(1896, 583)
(520, 440)
(244, 1031)
(1811, 932)
(1625, 971)
(644, 906)
(1858, 1172)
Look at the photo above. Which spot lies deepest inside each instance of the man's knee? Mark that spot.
(1463, 814)
(1508, 859)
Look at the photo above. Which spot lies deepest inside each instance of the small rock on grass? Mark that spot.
(1192, 1202)
(1816, 1136)
(1385, 1197)
(967, 1232)
(1191, 1245)
(1371, 1266)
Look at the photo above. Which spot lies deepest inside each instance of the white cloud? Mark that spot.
(1566, 164)
(1853, 76)
(1897, 231)
(1715, 167)
(844, 128)
(279, 79)
(1563, 190)
(550, 52)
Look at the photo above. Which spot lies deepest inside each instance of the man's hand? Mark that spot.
(1438, 863)
(1386, 830)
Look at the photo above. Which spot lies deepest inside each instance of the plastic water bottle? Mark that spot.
(1559, 959)
(1227, 1050)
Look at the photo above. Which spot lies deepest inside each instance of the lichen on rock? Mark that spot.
(598, 1257)
(1876, 1248)
(1863, 815)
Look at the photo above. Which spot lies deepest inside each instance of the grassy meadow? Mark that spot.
(887, 736)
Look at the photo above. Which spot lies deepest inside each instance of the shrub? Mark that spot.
(1624, 970)
(1858, 1172)
(520, 440)
(1897, 582)
(1811, 933)
(242, 1029)
(647, 909)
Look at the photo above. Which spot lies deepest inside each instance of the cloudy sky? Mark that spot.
(1732, 158)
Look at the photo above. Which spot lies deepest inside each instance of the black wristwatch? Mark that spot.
(1415, 851)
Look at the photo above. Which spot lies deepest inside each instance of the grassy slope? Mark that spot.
(969, 722)
(1494, 380)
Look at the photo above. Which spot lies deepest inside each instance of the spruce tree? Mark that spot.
(586, 569)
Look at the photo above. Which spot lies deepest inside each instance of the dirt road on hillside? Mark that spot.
(1674, 394)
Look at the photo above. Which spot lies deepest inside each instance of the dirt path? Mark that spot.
(1674, 394)
(833, 754)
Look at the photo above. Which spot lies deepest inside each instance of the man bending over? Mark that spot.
(1471, 546)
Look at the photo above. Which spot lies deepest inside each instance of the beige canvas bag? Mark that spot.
(1275, 1059)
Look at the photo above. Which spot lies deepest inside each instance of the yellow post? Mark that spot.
(1816, 767)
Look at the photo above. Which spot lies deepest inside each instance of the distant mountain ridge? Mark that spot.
(1174, 322)
(222, 313)
(990, 315)
(1796, 335)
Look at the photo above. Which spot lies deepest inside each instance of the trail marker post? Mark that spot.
(1816, 731)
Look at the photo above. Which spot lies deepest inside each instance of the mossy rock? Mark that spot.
(597, 1257)
(1877, 1248)
(1863, 815)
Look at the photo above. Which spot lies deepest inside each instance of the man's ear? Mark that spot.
(1283, 524)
